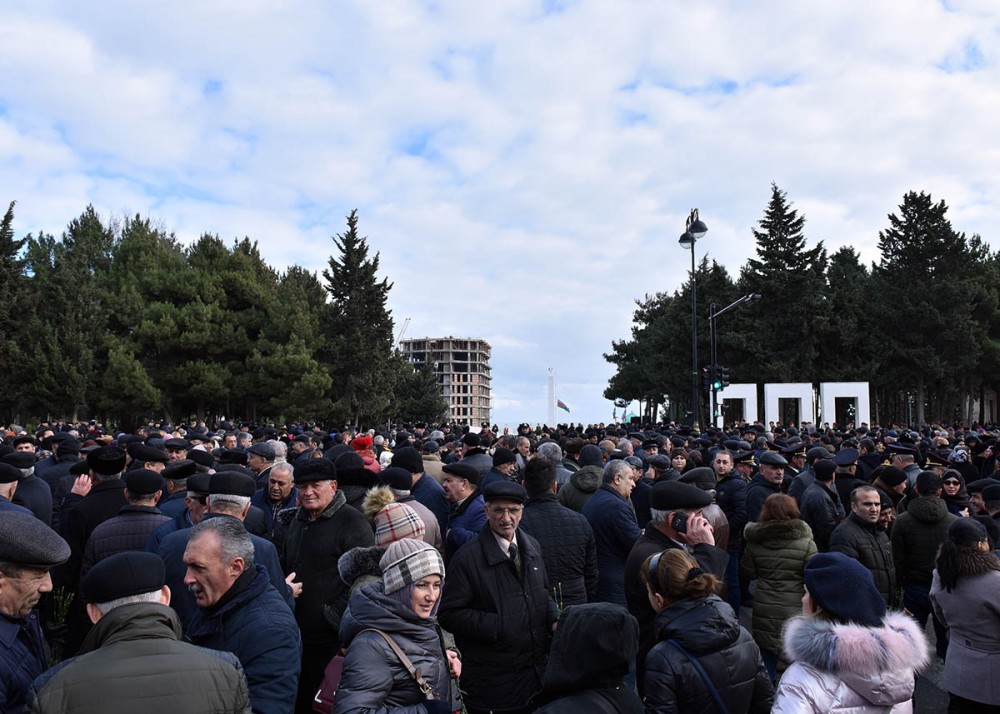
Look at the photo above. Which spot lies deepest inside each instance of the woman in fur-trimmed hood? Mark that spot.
(964, 595)
(847, 654)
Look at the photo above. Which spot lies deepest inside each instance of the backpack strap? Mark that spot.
(425, 687)
(720, 705)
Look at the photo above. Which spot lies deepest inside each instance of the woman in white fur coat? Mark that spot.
(847, 654)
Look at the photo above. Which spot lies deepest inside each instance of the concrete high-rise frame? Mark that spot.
(462, 366)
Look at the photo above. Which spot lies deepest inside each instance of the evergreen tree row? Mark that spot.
(123, 323)
(921, 325)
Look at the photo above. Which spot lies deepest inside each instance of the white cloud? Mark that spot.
(524, 173)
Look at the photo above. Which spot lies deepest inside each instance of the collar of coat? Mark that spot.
(339, 500)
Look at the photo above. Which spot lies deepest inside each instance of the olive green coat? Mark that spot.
(776, 553)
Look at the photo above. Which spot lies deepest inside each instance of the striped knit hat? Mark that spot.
(396, 521)
(408, 561)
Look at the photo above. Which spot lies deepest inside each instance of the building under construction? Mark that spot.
(462, 366)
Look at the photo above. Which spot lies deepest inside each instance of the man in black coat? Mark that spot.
(862, 537)
(565, 536)
(820, 505)
(668, 499)
(316, 534)
(731, 495)
(496, 603)
(766, 482)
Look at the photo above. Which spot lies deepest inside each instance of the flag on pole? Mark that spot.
(561, 405)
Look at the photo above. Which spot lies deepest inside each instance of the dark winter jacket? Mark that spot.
(253, 622)
(731, 495)
(173, 504)
(479, 460)
(640, 500)
(311, 549)
(845, 484)
(710, 559)
(373, 679)
(35, 495)
(132, 661)
(581, 486)
(710, 632)
(615, 532)
(757, 492)
(776, 554)
(430, 493)
(868, 544)
(501, 621)
(568, 548)
(166, 528)
(271, 510)
(103, 502)
(916, 537)
(129, 530)
(821, 510)
(464, 524)
(24, 654)
(800, 483)
(590, 656)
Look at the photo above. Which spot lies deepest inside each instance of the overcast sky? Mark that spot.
(524, 168)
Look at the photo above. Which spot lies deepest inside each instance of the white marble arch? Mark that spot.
(802, 391)
(745, 392)
(829, 392)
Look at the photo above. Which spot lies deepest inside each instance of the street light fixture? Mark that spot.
(713, 315)
(694, 230)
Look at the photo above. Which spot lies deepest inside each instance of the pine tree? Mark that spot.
(358, 330)
(12, 293)
(783, 341)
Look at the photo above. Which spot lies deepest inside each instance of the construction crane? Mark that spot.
(402, 331)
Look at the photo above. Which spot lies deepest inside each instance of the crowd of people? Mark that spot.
(432, 568)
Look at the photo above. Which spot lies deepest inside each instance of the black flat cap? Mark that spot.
(469, 473)
(409, 459)
(24, 439)
(199, 483)
(231, 483)
(703, 477)
(25, 540)
(107, 461)
(901, 449)
(201, 457)
(233, 456)
(315, 470)
(123, 575)
(992, 492)
(9, 473)
(236, 468)
(180, 469)
(471, 439)
(262, 449)
(505, 491)
(144, 453)
(773, 458)
(672, 495)
(180, 444)
(143, 482)
(80, 468)
(20, 459)
(396, 477)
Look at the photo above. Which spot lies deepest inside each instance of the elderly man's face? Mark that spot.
(279, 485)
(315, 496)
(176, 454)
(257, 463)
(25, 446)
(504, 517)
(229, 442)
(21, 592)
(772, 473)
(208, 577)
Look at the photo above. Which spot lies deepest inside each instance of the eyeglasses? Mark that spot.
(952, 482)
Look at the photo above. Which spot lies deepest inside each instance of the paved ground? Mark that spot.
(929, 696)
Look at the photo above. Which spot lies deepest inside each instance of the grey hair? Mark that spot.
(658, 517)
(234, 541)
(551, 450)
(282, 467)
(280, 450)
(27, 472)
(105, 607)
(227, 503)
(616, 468)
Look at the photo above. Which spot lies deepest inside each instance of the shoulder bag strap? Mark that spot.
(703, 674)
(425, 687)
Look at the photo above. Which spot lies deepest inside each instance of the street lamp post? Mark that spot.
(713, 315)
(694, 229)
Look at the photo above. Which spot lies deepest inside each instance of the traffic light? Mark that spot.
(722, 378)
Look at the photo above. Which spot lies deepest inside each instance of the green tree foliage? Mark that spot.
(13, 292)
(782, 343)
(418, 394)
(358, 331)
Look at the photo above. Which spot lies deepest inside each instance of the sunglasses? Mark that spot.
(952, 482)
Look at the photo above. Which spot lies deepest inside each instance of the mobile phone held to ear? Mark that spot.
(679, 522)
